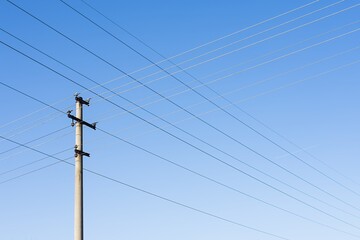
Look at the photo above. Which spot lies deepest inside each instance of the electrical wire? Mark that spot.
(218, 39)
(236, 106)
(226, 36)
(19, 130)
(252, 67)
(215, 104)
(30, 45)
(160, 95)
(204, 54)
(253, 35)
(235, 90)
(149, 193)
(183, 168)
(266, 174)
(28, 164)
(178, 138)
(36, 139)
(37, 145)
(270, 140)
(227, 164)
(228, 53)
(31, 113)
(39, 122)
(110, 80)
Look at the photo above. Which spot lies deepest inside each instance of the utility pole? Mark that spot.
(79, 153)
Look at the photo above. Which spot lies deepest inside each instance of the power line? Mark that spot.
(228, 68)
(252, 67)
(240, 88)
(241, 30)
(239, 160)
(220, 38)
(249, 175)
(27, 115)
(229, 92)
(227, 164)
(133, 49)
(36, 139)
(29, 96)
(203, 121)
(149, 88)
(35, 170)
(200, 94)
(235, 73)
(29, 164)
(238, 49)
(96, 82)
(288, 185)
(183, 168)
(148, 192)
(256, 34)
(291, 84)
(227, 100)
(233, 104)
(37, 145)
(169, 123)
(38, 122)
(26, 127)
(56, 60)
(281, 87)
(263, 93)
(269, 53)
(177, 165)
(236, 106)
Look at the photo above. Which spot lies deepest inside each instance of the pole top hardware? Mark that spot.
(81, 100)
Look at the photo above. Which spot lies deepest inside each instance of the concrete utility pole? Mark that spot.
(79, 153)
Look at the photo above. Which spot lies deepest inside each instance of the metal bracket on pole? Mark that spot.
(75, 119)
(81, 153)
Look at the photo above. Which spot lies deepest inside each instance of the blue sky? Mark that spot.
(297, 74)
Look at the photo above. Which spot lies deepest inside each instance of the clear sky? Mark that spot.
(292, 80)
